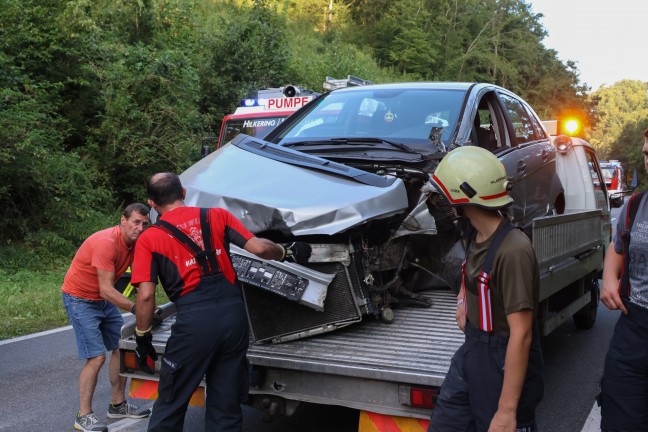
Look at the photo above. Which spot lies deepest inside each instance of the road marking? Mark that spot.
(124, 424)
(34, 335)
(593, 422)
(46, 332)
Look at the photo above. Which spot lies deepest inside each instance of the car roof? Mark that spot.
(427, 85)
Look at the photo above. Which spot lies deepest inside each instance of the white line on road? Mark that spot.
(593, 422)
(44, 333)
(34, 335)
(124, 425)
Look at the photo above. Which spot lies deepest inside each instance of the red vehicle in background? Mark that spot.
(615, 181)
(258, 116)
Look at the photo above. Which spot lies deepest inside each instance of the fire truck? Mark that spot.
(258, 115)
(615, 181)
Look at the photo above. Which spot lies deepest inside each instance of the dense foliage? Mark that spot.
(95, 96)
(622, 117)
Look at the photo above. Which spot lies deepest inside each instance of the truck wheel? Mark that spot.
(586, 317)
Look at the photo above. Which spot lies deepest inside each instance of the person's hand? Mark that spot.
(611, 298)
(157, 317)
(298, 252)
(503, 422)
(461, 313)
(145, 352)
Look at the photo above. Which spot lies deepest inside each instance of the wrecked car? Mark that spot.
(349, 174)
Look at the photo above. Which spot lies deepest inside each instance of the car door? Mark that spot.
(530, 162)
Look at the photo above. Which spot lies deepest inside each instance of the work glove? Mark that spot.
(145, 353)
(298, 252)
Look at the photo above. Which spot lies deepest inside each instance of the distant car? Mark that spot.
(349, 173)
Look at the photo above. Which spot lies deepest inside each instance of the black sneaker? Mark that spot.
(126, 410)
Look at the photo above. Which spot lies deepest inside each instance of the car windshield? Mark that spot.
(421, 119)
(608, 173)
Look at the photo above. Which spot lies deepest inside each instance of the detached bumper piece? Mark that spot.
(273, 318)
(291, 281)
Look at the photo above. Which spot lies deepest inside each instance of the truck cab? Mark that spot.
(258, 116)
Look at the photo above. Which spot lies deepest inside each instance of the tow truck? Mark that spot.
(337, 342)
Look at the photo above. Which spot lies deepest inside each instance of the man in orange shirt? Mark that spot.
(92, 303)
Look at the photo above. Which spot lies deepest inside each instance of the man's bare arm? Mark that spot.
(108, 291)
(264, 248)
(611, 273)
(145, 305)
(515, 368)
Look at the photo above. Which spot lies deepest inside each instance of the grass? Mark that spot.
(31, 300)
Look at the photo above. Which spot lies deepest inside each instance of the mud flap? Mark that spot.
(373, 422)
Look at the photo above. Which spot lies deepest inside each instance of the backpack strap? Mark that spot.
(483, 280)
(631, 213)
(206, 259)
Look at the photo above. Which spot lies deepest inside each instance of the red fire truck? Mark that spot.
(615, 180)
(257, 116)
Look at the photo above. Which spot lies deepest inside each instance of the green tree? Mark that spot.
(244, 49)
(47, 193)
(615, 107)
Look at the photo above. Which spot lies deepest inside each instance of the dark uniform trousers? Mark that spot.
(624, 387)
(209, 339)
(471, 390)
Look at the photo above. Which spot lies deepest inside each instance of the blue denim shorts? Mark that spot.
(97, 325)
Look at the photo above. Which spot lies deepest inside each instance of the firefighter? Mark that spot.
(187, 249)
(495, 378)
(624, 387)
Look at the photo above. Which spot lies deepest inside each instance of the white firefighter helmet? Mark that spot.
(472, 176)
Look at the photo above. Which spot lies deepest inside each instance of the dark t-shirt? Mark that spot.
(157, 254)
(638, 251)
(515, 281)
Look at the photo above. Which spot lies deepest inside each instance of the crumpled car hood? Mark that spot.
(267, 194)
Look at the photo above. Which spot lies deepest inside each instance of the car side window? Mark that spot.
(522, 123)
(484, 134)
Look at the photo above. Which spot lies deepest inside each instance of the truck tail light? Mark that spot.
(130, 362)
(418, 397)
(423, 397)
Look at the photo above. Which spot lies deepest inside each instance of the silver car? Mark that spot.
(349, 173)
